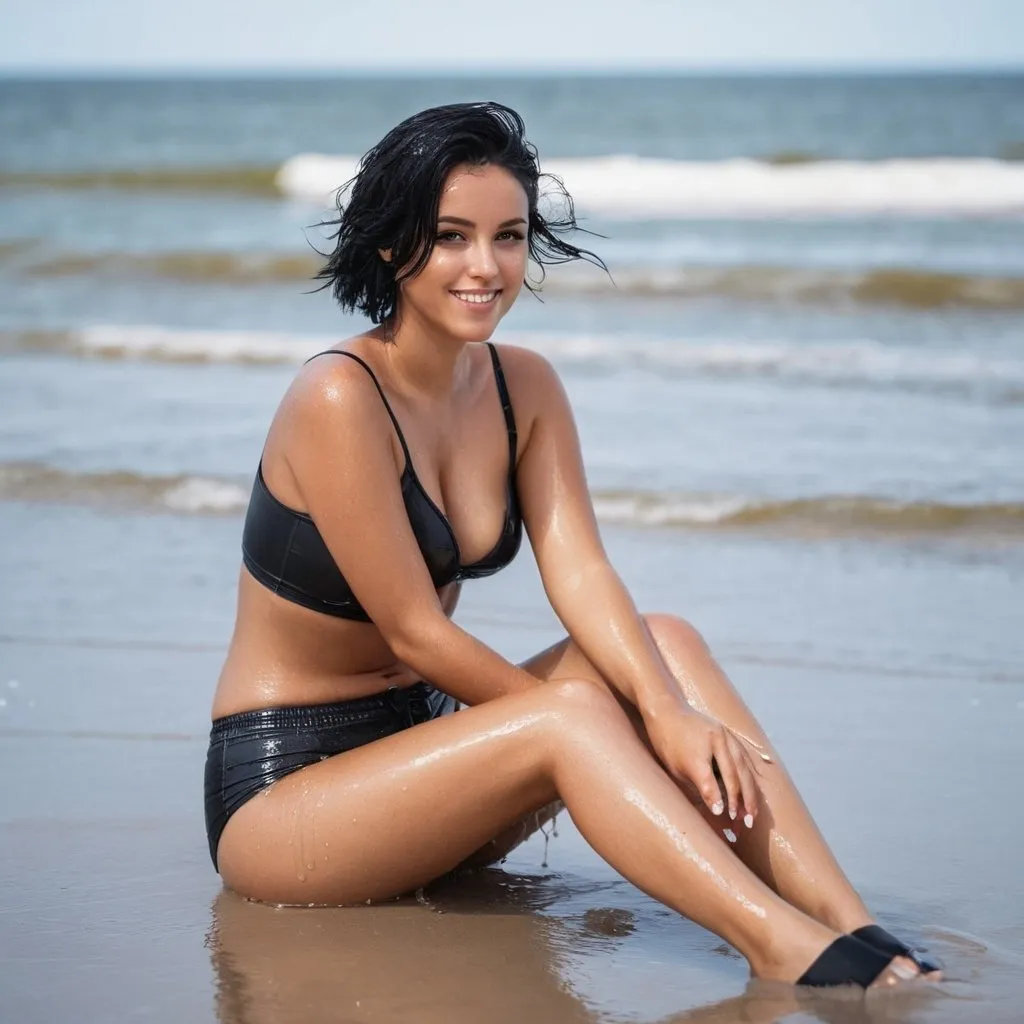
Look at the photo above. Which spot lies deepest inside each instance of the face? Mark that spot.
(479, 259)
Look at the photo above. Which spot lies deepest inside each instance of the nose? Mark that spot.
(482, 264)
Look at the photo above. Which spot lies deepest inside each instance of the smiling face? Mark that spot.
(479, 259)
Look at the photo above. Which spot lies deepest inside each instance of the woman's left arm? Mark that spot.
(584, 589)
(593, 603)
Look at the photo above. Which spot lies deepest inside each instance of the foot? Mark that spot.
(841, 960)
(848, 961)
(885, 942)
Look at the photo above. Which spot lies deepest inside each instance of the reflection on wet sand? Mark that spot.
(772, 1003)
(484, 947)
(479, 954)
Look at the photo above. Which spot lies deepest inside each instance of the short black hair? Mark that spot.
(392, 202)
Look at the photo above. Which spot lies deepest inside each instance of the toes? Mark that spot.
(900, 970)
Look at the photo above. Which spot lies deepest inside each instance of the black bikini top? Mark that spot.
(284, 551)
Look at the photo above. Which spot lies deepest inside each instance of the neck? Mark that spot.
(423, 362)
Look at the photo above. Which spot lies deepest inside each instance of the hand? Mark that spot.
(698, 749)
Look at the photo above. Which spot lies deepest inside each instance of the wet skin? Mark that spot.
(623, 734)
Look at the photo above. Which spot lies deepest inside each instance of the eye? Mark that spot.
(449, 236)
(513, 235)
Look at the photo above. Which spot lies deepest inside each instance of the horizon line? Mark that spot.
(199, 71)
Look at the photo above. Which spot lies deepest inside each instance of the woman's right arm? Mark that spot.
(341, 448)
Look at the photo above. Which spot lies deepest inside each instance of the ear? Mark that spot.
(385, 255)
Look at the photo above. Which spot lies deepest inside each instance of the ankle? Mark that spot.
(847, 919)
(790, 951)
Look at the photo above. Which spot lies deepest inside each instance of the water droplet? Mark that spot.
(3, 702)
(975, 702)
(13, 683)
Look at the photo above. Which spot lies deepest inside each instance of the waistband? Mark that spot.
(393, 701)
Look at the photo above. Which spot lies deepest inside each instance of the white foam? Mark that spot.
(856, 362)
(152, 342)
(203, 494)
(662, 510)
(630, 186)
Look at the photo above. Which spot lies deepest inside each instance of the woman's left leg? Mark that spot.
(784, 848)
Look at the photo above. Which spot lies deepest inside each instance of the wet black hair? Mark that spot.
(392, 202)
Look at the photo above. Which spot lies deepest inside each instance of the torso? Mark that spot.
(284, 654)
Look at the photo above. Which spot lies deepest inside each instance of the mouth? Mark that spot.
(480, 299)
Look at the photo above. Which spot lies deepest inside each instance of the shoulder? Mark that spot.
(530, 375)
(539, 402)
(333, 384)
(332, 406)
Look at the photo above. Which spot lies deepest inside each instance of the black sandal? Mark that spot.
(848, 961)
(885, 942)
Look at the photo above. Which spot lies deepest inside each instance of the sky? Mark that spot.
(462, 36)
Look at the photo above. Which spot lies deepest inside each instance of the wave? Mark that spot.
(191, 267)
(260, 181)
(183, 493)
(825, 515)
(858, 363)
(630, 186)
(188, 494)
(921, 289)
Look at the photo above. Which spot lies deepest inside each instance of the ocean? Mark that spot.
(800, 393)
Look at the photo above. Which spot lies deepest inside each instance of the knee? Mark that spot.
(674, 633)
(581, 699)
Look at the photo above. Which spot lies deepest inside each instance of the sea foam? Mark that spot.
(818, 515)
(856, 363)
(631, 186)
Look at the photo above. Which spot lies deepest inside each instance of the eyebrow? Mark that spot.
(469, 224)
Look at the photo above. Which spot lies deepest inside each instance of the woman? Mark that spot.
(405, 461)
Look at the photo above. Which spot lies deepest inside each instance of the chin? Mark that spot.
(469, 331)
(468, 335)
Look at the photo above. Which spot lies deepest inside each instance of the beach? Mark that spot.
(804, 433)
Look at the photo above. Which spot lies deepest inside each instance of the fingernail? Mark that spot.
(906, 973)
(732, 813)
(718, 808)
(748, 820)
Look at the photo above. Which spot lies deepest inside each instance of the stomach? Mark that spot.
(282, 654)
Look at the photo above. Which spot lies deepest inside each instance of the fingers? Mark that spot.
(712, 793)
(738, 787)
(748, 782)
(725, 758)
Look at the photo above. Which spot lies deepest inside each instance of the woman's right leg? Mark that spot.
(395, 814)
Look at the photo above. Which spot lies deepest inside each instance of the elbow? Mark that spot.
(418, 640)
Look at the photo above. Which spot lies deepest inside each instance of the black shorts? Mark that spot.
(253, 749)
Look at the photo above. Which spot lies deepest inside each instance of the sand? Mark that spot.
(110, 910)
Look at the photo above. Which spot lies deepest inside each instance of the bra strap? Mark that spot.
(506, 408)
(380, 391)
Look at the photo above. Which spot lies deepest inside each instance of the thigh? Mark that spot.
(706, 691)
(690, 664)
(390, 816)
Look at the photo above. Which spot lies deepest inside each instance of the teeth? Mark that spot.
(476, 297)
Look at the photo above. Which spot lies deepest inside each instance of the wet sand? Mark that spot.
(110, 910)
